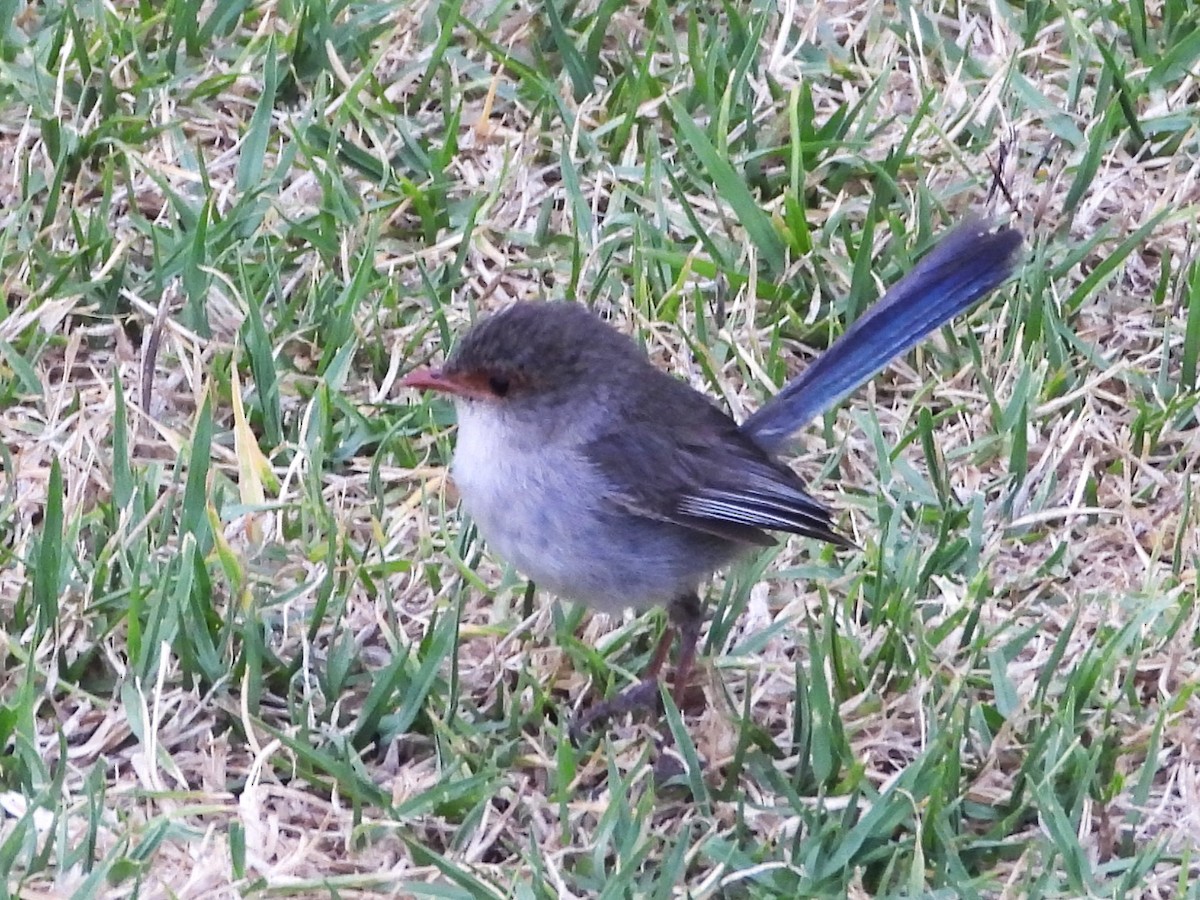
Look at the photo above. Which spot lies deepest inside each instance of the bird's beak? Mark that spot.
(428, 378)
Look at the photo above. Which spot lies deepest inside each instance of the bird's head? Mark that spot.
(533, 356)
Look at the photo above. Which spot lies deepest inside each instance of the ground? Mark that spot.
(249, 646)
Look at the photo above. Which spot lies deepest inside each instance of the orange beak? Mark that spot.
(428, 378)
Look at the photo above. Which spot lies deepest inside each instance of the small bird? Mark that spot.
(609, 482)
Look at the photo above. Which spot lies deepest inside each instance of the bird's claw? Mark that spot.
(643, 695)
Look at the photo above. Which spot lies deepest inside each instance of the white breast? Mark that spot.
(542, 507)
(528, 503)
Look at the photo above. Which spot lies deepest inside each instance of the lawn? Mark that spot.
(250, 647)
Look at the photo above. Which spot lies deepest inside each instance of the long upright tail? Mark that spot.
(967, 263)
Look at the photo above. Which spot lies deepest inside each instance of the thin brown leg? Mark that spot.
(661, 652)
(685, 618)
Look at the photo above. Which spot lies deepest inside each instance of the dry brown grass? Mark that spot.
(1099, 531)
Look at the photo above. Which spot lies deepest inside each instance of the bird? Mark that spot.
(609, 482)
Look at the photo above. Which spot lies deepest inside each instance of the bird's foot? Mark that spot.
(685, 615)
(640, 697)
(643, 695)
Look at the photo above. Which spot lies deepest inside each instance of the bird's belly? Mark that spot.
(551, 518)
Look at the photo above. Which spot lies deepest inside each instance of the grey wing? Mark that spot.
(689, 464)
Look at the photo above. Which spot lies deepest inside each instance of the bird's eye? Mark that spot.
(498, 384)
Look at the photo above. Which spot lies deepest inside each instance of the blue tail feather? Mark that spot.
(967, 263)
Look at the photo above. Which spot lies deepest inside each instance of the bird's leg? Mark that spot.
(661, 652)
(685, 617)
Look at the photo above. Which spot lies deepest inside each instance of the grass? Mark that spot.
(247, 644)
